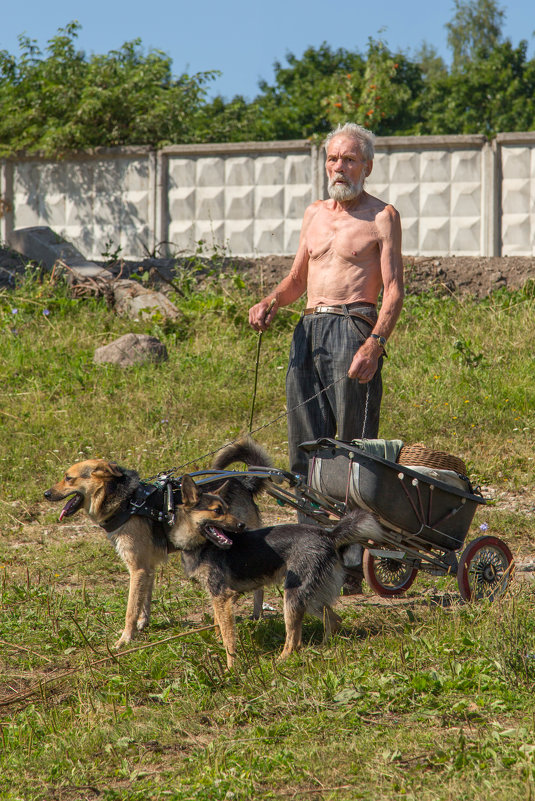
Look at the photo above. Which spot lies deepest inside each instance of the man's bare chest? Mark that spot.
(349, 239)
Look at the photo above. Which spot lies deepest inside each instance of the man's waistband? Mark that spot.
(365, 311)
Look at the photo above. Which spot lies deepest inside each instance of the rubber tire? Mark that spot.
(373, 580)
(470, 554)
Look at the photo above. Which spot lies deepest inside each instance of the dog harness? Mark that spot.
(155, 501)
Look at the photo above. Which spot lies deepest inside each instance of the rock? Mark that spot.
(135, 300)
(41, 244)
(131, 349)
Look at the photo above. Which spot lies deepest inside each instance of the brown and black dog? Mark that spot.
(103, 488)
(305, 558)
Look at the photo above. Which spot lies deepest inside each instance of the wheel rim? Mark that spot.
(391, 573)
(488, 573)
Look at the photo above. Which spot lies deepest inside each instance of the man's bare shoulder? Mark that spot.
(312, 211)
(386, 216)
(377, 204)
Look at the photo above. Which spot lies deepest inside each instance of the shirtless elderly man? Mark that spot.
(350, 248)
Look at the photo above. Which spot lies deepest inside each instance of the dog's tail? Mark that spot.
(247, 451)
(357, 526)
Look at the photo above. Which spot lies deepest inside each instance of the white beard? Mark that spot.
(344, 192)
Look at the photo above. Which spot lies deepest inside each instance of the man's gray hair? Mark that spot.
(365, 139)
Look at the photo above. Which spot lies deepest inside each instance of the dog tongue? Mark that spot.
(216, 536)
(68, 508)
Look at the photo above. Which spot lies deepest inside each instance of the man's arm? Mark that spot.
(291, 287)
(366, 359)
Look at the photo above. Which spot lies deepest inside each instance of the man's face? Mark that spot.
(346, 169)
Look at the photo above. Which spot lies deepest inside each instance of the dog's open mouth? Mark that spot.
(216, 536)
(72, 505)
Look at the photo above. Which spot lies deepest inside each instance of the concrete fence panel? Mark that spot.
(517, 163)
(436, 184)
(247, 198)
(457, 195)
(97, 201)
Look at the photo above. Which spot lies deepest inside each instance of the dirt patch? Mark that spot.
(462, 275)
(477, 276)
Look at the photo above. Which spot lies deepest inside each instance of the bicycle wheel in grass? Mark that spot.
(485, 569)
(386, 576)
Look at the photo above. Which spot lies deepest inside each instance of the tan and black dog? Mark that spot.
(305, 558)
(106, 490)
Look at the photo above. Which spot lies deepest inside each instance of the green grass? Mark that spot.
(418, 698)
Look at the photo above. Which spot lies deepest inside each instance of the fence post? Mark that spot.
(490, 211)
(6, 200)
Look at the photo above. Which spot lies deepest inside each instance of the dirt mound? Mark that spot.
(476, 276)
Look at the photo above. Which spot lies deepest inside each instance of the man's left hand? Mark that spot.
(365, 361)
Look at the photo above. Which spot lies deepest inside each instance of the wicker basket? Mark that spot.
(420, 455)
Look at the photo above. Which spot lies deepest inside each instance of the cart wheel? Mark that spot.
(485, 569)
(387, 577)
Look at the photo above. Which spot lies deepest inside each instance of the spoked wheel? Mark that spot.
(485, 569)
(386, 576)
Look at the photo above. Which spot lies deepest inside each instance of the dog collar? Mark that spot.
(117, 520)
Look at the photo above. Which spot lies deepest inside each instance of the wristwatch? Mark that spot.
(381, 340)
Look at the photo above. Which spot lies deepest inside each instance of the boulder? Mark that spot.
(40, 243)
(137, 301)
(131, 349)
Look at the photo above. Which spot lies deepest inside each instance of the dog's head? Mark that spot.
(203, 516)
(84, 484)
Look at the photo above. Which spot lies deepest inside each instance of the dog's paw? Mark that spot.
(124, 639)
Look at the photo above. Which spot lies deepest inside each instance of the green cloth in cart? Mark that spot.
(384, 448)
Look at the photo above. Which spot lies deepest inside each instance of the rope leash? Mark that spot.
(269, 308)
(252, 431)
(266, 425)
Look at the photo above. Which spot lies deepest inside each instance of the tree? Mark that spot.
(490, 94)
(475, 28)
(290, 108)
(62, 101)
(381, 97)
(432, 65)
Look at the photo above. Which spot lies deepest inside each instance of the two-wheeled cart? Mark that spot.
(424, 517)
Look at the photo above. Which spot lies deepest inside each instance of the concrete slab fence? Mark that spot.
(457, 195)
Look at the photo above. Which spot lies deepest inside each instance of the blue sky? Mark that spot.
(243, 38)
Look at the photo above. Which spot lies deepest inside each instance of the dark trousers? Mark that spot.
(322, 350)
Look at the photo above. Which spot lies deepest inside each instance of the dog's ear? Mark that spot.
(107, 470)
(190, 493)
(223, 490)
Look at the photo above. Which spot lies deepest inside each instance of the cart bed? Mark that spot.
(404, 499)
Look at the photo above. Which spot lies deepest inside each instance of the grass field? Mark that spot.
(422, 697)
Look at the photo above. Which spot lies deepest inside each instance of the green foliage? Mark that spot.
(291, 108)
(380, 98)
(65, 102)
(463, 350)
(487, 95)
(475, 30)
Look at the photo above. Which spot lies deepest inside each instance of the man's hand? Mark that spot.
(261, 314)
(365, 361)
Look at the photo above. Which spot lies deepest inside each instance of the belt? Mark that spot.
(350, 309)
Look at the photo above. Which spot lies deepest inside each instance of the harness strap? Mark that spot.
(117, 520)
(148, 501)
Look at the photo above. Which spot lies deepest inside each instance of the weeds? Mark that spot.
(423, 698)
